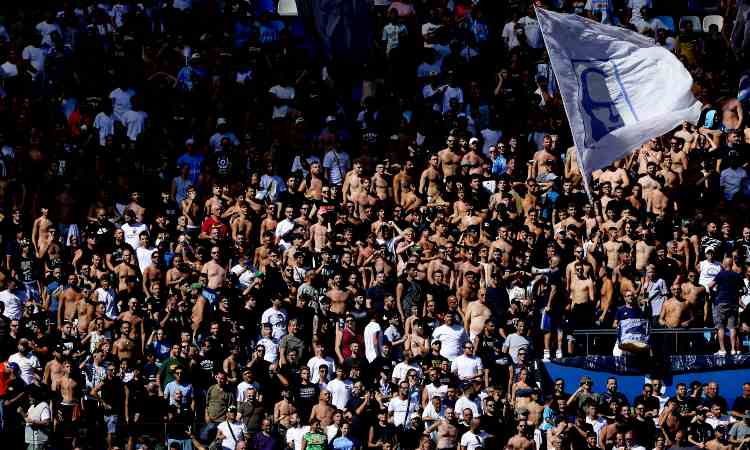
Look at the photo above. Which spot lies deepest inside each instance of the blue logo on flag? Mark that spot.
(604, 103)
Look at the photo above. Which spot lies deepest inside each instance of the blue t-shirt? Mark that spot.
(728, 287)
(344, 443)
(626, 312)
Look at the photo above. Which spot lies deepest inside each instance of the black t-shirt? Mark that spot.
(741, 404)
(306, 395)
(434, 361)
(685, 406)
(701, 432)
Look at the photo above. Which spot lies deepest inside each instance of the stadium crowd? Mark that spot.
(215, 236)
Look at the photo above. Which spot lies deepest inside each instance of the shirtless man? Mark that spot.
(135, 322)
(675, 313)
(312, 185)
(581, 302)
(544, 160)
(521, 441)
(409, 199)
(611, 247)
(179, 272)
(477, 314)
(124, 348)
(442, 264)
(214, 201)
(338, 297)
(449, 156)
(242, 225)
(323, 411)
(86, 310)
(362, 198)
(260, 257)
(644, 250)
(41, 228)
(269, 221)
(126, 270)
(54, 369)
(352, 181)
(570, 269)
(616, 176)
(215, 270)
(405, 176)
(380, 184)
(447, 431)
(657, 201)
(68, 409)
(431, 178)
(468, 290)
(572, 172)
(69, 298)
(672, 179)
(650, 180)
(696, 297)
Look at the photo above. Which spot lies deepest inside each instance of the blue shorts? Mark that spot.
(551, 322)
(112, 422)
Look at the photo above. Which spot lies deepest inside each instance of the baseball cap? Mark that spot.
(232, 408)
(330, 119)
(221, 121)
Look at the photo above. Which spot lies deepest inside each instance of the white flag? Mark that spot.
(619, 88)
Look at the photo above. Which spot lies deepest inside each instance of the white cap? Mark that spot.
(473, 141)
(330, 119)
(189, 141)
(221, 121)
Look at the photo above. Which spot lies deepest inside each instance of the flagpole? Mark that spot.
(579, 159)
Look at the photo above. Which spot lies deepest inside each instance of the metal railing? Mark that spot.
(674, 337)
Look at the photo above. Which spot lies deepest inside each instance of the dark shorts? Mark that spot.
(551, 321)
(725, 315)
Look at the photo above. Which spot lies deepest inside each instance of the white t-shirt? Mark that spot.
(134, 122)
(36, 57)
(490, 137)
(46, 30)
(39, 412)
(338, 164)
(13, 305)
(708, 271)
(451, 93)
(108, 299)
(272, 349)
(341, 392)
(373, 350)
(464, 402)
(403, 368)
(472, 441)
(277, 318)
(26, 365)
(452, 339)
(294, 436)
(532, 31)
(237, 428)
(105, 125)
(466, 367)
(314, 364)
(399, 409)
(132, 232)
(284, 93)
(509, 36)
(144, 257)
(121, 102)
(9, 70)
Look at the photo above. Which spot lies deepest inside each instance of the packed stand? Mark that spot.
(217, 235)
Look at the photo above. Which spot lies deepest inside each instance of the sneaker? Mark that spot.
(720, 353)
(559, 354)
(735, 352)
(546, 356)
